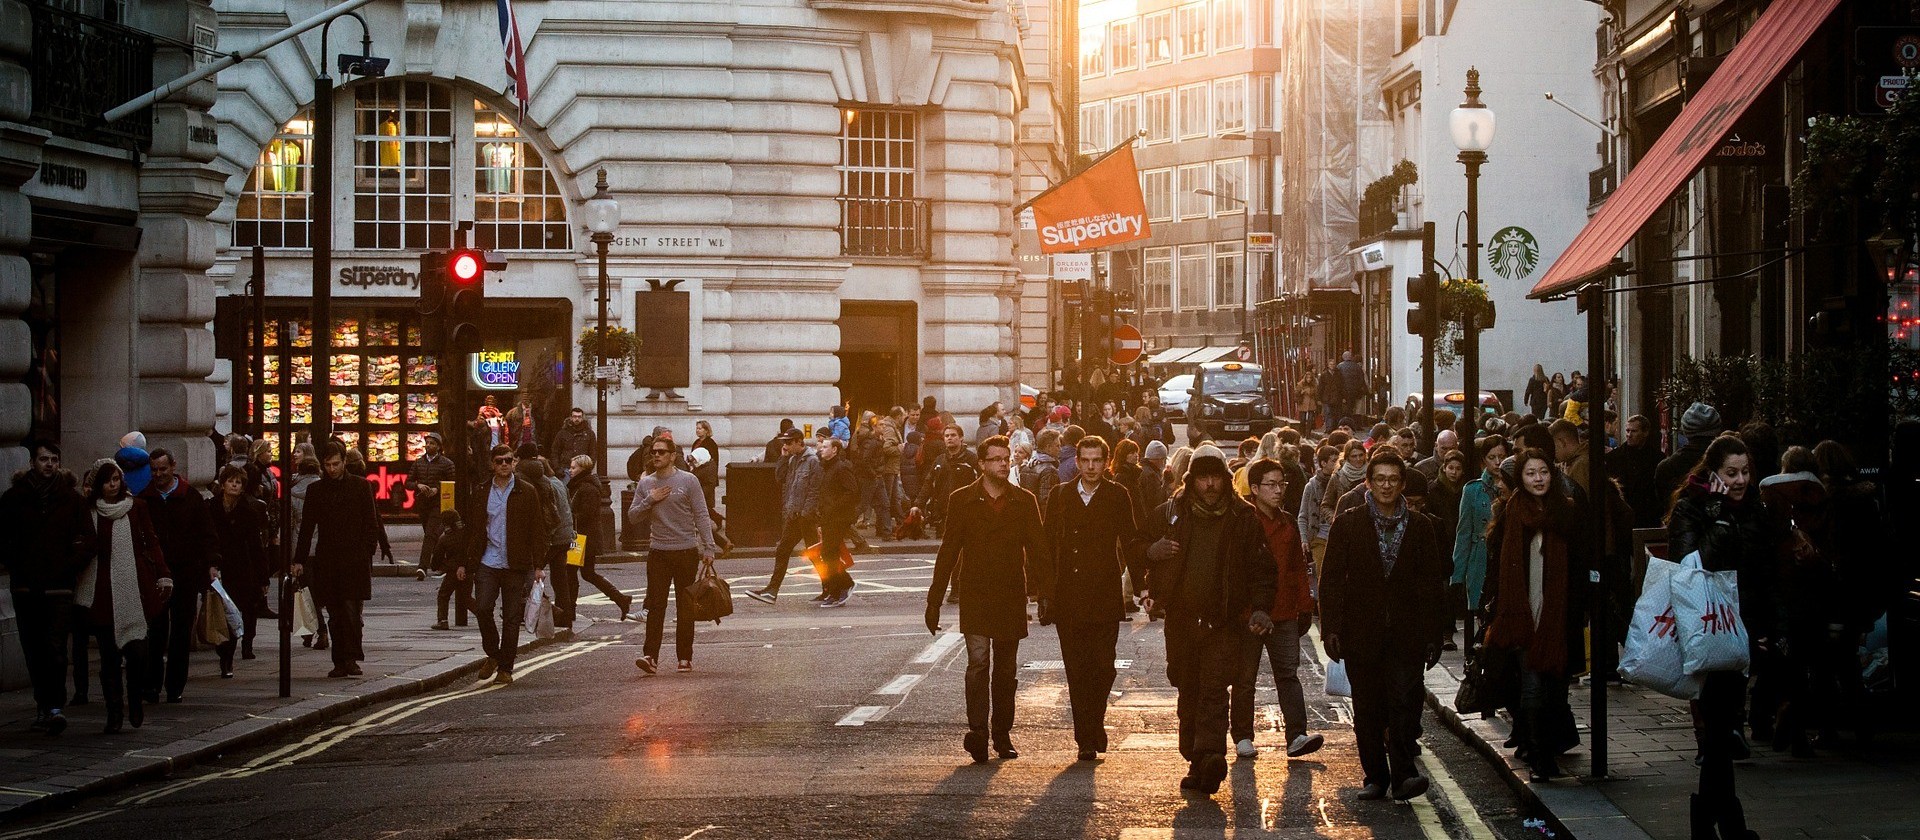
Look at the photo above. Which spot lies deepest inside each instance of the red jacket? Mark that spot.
(1293, 598)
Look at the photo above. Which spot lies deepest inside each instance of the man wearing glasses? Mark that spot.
(1091, 528)
(504, 559)
(1292, 612)
(674, 508)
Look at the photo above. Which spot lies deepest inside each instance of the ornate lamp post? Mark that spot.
(602, 215)
(1471, 125)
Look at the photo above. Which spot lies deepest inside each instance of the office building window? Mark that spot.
(1229, 275)
(1093, 128)
(1192, 278)
(1156, 279)
(1193, 111)
(1193, 30)
(1192, 179)
(1262, 23)
(1230, 24)
(1124, 115)
(1123, 44)
(1230, 185)
(1156, 38)
(403, 165)
(1263, 102)
(273, 211)
(880, 213)
(1230, 105)
(1156, 188)
(1093, 51)
(1159, 108)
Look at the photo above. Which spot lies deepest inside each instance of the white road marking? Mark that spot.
(1061, 665)
(900, 684)
(862, 715)
(1477, 829)
(938, 648)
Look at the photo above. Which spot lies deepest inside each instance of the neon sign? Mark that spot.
(494, 370)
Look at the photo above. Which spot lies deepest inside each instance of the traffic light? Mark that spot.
(1423, 305)
(1096, 330)
(433, 283)
(466, 296)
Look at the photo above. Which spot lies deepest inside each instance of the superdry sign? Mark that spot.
(1097, 208)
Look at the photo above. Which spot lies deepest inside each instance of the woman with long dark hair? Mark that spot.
(1534, 607)
(123, 587)
(1718, 513)
(240, 521)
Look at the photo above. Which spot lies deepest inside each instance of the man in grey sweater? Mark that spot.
(674, 507)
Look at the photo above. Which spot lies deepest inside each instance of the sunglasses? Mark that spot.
(662, 451)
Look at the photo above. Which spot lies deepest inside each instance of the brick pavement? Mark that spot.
(1871, 793)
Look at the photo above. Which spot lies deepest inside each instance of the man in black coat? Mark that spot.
(424, 479)
(1700, 424)
(45, 517)
(1382, 599)
(994, 553)
(954, 468)
(1209, 570)
(192, 550)
(1635, 462)
(506, 552)
(340, 510)
(1091, 527)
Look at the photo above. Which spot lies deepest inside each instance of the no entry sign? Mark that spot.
(1127, 345)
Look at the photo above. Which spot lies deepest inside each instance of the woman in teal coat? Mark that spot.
(1476, 511)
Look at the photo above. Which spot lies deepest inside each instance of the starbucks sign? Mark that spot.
(1513, 252)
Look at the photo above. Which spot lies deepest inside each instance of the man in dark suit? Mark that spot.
(340, 510)
(1381, 601)
(994, 553)
(1091, 528)
(1209, 569)
(192, 551)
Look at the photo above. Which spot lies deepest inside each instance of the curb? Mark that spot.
(1574, 811)
(163, 761)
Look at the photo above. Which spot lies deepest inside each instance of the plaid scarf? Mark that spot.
(1391, 528)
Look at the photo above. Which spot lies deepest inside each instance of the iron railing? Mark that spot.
(885, 227)
(83, 66)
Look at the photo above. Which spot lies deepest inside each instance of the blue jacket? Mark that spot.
(1470, 541)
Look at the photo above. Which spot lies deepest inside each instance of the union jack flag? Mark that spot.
(516, 55)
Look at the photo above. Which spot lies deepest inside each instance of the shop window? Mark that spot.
(880, 214)
(1193, 30)
(517, 204)
(1157, 279)
(1192, 277)
(273, 210)
(403, 165)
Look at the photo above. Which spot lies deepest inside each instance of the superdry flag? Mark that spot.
(1101, 206)
(516, 56)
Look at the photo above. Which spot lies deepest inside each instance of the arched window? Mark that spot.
(415, 156)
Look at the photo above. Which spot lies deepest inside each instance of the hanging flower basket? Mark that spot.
(617, 348)
(1457, 298)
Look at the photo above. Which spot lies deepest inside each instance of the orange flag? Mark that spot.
(1099, 207)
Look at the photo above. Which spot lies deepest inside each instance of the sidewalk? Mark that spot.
(1650, 772)
(220, 715)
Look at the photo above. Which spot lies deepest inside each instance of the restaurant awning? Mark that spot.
(1211, 354)
(1171, 355)
(1754, 63)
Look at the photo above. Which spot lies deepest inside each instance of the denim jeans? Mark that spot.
(502, 641)
(1282, 650)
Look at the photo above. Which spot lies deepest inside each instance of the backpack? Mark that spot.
(1032, 472)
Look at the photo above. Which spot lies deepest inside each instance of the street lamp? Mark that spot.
(364, 64)
(1471, 125)
(602, 214)
(1246, 294)
(1265, 176)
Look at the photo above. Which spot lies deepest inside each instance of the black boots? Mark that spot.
(1718, 820)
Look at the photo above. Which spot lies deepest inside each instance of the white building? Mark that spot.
(1533, 190)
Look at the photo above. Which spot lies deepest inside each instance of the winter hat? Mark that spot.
(134, 439)
(1061, 412)
(1700, 419)
(1208, 460)
(1414, 483)
(436, 438)
(1510, 469)
(1156, 451)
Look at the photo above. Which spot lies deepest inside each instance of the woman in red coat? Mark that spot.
(124, 586)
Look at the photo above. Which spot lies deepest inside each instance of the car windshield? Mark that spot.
(1179, 383)
(1233, 382)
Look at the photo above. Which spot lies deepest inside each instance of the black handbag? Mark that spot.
(1491, 682)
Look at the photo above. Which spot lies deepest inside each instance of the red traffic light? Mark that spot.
(465, 266)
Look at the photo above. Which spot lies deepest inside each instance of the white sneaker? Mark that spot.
(1305, 744)
(1246, 749)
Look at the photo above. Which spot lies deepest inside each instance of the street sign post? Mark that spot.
(606, 373)
(1127, 345)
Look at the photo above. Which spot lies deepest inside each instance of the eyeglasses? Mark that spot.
(504, 459)
(662, 451)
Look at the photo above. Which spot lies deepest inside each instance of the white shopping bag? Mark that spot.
(306, 617)
(1653, 658)
(1707, 606)
(539, 610)
(1337, 683)
(236, 625)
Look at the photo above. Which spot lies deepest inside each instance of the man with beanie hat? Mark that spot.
(1699, 426)
(1151, 491)
(424, 480)
(1209, 571)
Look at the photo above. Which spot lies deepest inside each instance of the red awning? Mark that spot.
(1754, 63)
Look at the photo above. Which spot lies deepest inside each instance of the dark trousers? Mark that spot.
(81, 635)
(1716, 717)
(460, 592)
(566, 587)
(170, 640)
(431, 526)
(798, 531)
(991, 664)
(606, 587)
(501, 642)
(114, 659)
(44, 621)
(1387, 698)
(1543, 719)
(834, 580)
(670, 570)
(1088, 648)
(1281, 648)
(346, 621)
(1201, 662)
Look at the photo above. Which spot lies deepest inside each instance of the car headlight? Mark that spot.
(1211, 410)
(1262, 409)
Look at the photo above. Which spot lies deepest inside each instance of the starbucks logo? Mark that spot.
(1514, 252)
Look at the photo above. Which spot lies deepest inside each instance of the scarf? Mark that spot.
(1351, 474)
(123, 575)
(1513, 626)
(1390, 528)
(1199, 507)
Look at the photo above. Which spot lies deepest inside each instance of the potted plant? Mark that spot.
(618, 348)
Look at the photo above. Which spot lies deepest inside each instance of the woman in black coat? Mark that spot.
(1718, 513)
(240, 521)
(593, 515)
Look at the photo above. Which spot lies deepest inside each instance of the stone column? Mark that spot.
(174, 295)
(19, 160)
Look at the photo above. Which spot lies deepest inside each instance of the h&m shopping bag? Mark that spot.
(1653, 657)
(539, 610)
(1707, 606)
